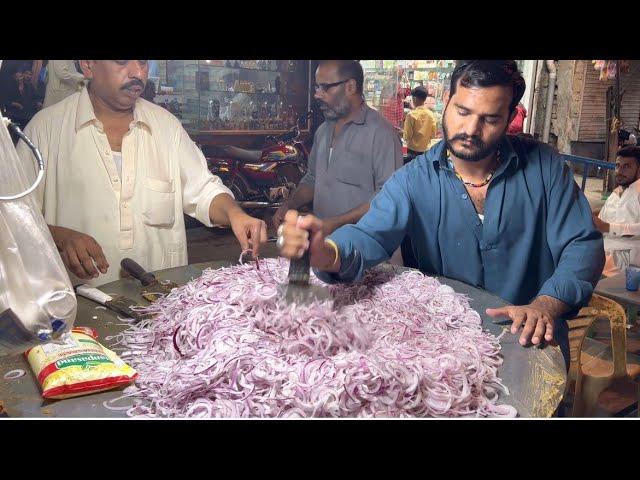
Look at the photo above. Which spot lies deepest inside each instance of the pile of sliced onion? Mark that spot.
(397, 344)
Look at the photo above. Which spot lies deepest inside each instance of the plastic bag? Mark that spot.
(79, 366)
(37, 301)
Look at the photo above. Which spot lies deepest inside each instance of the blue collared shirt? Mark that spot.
(537, 238)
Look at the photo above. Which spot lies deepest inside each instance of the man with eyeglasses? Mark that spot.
(354, 151)
(120, 173)
(498, 212)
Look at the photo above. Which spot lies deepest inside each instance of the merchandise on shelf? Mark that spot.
(385, 81)
(236, 94)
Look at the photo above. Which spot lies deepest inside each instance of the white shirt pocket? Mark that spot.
(158, 203)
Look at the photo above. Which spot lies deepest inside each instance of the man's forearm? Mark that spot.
(303, 195)
(350, 217)
(222, 208)
(552, 306)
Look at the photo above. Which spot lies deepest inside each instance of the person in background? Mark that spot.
(517, 124)
(8, 68)
(35, 86)
(354, 151)
(393, 109)
(419, 126)
(21, 102)
(619, 218)
(63, 80)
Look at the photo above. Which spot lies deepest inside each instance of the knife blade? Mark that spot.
(153, 287)
(117, 303)
(299, 290)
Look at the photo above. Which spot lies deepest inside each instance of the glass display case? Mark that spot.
(235, 96)
(381, 81)
(384, 79)
(434, 75)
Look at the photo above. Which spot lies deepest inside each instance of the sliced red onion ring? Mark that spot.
(13, 374)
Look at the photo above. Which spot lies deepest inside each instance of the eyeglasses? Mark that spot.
(326, 86)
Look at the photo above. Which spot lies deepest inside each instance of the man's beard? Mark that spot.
(624, 183)
(483, 150)
(341, 110)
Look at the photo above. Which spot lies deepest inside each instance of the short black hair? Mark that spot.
(419, 92)
(488, 73)
(630, 152)
(348, 69)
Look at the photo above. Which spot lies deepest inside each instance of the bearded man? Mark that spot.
(354, 151)
(497, 212)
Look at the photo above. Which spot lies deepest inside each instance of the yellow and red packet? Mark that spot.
(79, 366)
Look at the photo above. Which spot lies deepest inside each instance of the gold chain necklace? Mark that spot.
(486, 180)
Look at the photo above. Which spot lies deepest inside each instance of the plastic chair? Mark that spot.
(601, 390)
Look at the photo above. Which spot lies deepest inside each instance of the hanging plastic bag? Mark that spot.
(37, 302)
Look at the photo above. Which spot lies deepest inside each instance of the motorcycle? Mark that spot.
(264, 178)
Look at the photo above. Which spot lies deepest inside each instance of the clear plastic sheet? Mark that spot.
(37, 301)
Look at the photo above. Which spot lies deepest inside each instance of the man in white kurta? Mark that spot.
(117, 186)
(619, 218)
(62, 80)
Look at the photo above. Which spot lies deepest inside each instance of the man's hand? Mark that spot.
(80, 252)
(250, 232)
(301, 196)
(302, 233)
(278, 217)
(602, 226)
(536, 320)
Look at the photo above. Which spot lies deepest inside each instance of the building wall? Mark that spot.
(540, 102)
(565, 119)
(578, 122)
(593, 118)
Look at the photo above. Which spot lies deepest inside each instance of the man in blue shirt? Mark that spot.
(498, 212)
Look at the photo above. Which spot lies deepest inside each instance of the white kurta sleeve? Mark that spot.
(199, 185)
(624, 229)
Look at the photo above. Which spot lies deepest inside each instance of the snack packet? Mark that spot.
(79, 366)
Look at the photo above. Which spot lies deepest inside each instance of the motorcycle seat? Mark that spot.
(239, 154)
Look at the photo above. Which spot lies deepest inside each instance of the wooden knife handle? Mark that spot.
(136, 271)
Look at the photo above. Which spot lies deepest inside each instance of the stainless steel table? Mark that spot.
(536, 377)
